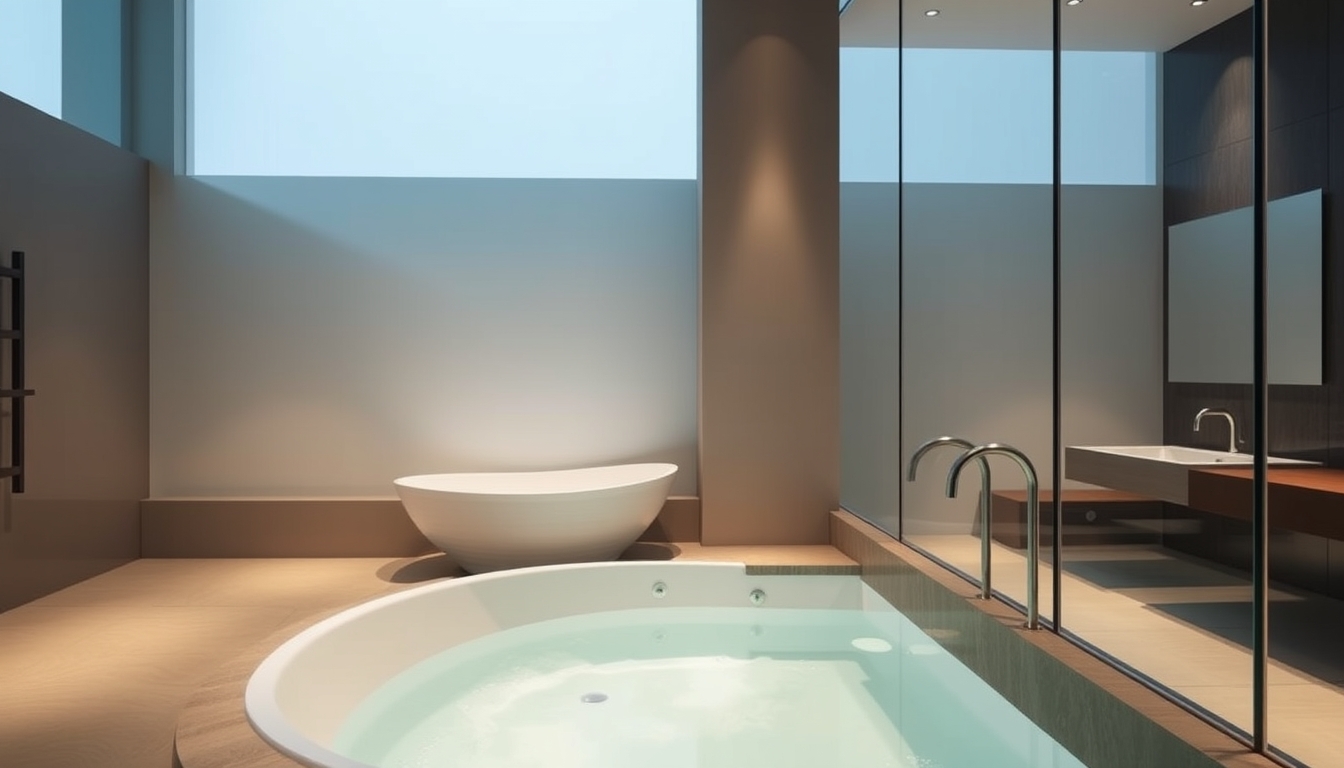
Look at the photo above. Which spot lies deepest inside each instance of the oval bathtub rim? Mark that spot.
(421, 482)
(259, 703)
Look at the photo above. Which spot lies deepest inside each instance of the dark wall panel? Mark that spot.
(1208, 183)
(1205, 84)
(1299, 61)
(1334, 281)
(1184, 400)
(1335, 30)
(1298, 153)
(1207, 155)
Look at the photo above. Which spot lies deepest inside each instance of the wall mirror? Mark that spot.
(1209, 295)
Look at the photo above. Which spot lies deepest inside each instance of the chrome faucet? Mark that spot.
(1033, 515)
(985, 531)
(1232, 440)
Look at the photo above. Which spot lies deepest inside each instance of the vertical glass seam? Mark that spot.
(1260, 397)
(1057, 431)
(900, 264)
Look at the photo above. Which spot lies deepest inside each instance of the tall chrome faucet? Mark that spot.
(1232, 440)
(986, 590)
(1033, 515)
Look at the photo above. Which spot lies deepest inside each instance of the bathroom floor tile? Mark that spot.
(314, 583)
(1304, 719)
(102, 686)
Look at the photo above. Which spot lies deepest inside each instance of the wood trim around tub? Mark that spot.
(354, 527)
(1105, 718)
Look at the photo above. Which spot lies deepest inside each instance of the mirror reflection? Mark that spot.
(947, 226)
(1209, 271)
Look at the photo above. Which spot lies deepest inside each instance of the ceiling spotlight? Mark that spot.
(1198, 3)
(932, 12)
(1074, 2)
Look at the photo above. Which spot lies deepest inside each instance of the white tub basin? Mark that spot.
(489, 521)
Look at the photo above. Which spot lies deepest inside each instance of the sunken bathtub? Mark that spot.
(488, 521)
(656, 665)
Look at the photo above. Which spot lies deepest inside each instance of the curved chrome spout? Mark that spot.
(1231, 425)
(930, 445)
(1033, 514)
(986, 590)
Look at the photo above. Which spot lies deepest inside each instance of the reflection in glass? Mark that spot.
(1156, 561)
(869, 273)
(1157, 577)
(976, 260)
(1209, 262)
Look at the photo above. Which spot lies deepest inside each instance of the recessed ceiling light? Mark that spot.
(932, 12)
(1198, 3)
(1074, 2)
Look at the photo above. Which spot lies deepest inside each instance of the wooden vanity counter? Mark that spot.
(1307, 500)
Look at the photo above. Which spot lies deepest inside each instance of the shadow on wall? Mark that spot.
(322, 336)
(77, 206)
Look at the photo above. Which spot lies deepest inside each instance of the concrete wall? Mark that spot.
(78, 207)
(323, 336)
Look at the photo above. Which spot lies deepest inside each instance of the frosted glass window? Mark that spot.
(984, 116)
(1109, 131)
(30, 56)
(446, 88)
(869, 114)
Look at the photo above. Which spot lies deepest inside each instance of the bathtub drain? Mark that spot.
(593, 698)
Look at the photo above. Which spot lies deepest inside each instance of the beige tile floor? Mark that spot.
(1306, 710)
(95, 675)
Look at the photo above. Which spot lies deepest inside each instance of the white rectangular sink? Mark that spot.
(1156, 471)
(1179, 454)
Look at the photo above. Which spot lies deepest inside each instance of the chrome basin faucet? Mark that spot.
(1232, 440)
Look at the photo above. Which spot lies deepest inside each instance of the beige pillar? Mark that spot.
(769, 277)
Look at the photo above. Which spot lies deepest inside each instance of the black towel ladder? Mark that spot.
(16, 392)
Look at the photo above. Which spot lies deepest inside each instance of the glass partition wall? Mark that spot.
(976, 288)
(1150, 578)
(1305, 297)
(1091, 230)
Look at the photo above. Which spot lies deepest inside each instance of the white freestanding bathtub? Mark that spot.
(487, 521)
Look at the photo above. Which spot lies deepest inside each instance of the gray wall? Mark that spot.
(870, 351)
(78, 207)
(977, 333)
(323, 336)
(1111, 318)
(976, 353)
